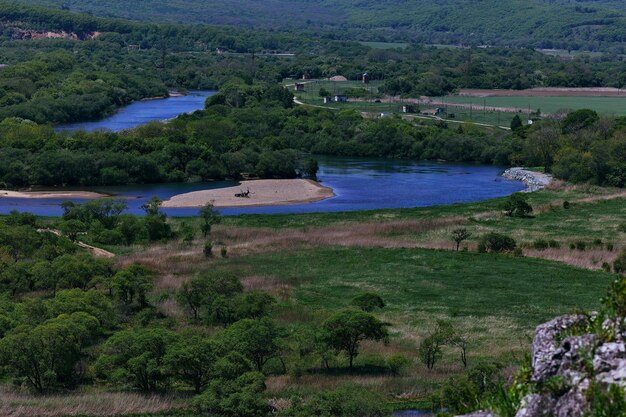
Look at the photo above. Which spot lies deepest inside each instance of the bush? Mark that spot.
(554, 244)
(398, 363)
(208, 250)
(110, 237)
(610, 247)
(461, 394)
(368, 302)
(619, 266)
(567, 205)
(541, 244)
(224, 252)
(517, 205)
(496, 242)
(581, 245)
(622, 227)
(242, 396)
(346, 401)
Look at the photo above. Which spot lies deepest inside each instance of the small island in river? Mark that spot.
(255, 193)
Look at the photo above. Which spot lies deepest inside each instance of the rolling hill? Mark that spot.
(563, 24)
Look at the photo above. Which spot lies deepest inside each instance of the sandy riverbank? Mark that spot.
(51, 194)
(262, 193)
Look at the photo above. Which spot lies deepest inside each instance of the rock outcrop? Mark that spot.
(567, 364)
(534, 180)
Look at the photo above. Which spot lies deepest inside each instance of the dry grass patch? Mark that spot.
(389, 234)
(13, 404)
(271, 285)
(588, 259)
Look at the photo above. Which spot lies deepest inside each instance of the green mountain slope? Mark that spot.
(566, 24)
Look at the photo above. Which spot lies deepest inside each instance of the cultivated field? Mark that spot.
(613, 105)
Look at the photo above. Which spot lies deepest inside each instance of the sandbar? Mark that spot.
(262, 193)
(51, 194)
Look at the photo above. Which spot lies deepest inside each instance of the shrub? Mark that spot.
(540, 244)
(619, 266)
(496, 242)
(242, 396)
(398, 363)
(208, 250)
(598, 242)
(567, 205)
(610, 247)
(461, 394)
(554, 244)
(581, 245)
(517, 205)
(110, 237)
(368, 302)
(224, 252)
(346, 401)
(622, 227)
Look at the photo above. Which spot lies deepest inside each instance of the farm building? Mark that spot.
(440, 111)
(408, 108)
(366, 78)
(339, 78)
(328, 100)
(340, 98)
(298, 87)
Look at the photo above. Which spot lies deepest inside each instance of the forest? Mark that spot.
(255, 131)
(83, 76)
(580, 25)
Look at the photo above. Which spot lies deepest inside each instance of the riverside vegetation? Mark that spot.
(336, 314)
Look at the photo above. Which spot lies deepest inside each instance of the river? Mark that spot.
(141, 112)
(359, 183)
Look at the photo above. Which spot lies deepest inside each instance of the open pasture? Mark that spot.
(613, 106)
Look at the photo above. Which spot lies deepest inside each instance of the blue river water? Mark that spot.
(141, 112)
(359, 183)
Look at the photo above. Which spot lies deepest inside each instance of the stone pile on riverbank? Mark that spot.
(534, 180)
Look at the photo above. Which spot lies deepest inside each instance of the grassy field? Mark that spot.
(614, 106)
(421, 286)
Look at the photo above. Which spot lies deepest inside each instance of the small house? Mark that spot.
(340, 98)
(440, 111)
(299, 87)
(366, 78)
(328, 100)
(408, 108)
(384, 115)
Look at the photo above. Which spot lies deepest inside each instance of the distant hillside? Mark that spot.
(563, 24)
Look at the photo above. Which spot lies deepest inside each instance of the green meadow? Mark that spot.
(614, 106)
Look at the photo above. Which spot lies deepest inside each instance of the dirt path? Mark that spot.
(97, 252)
